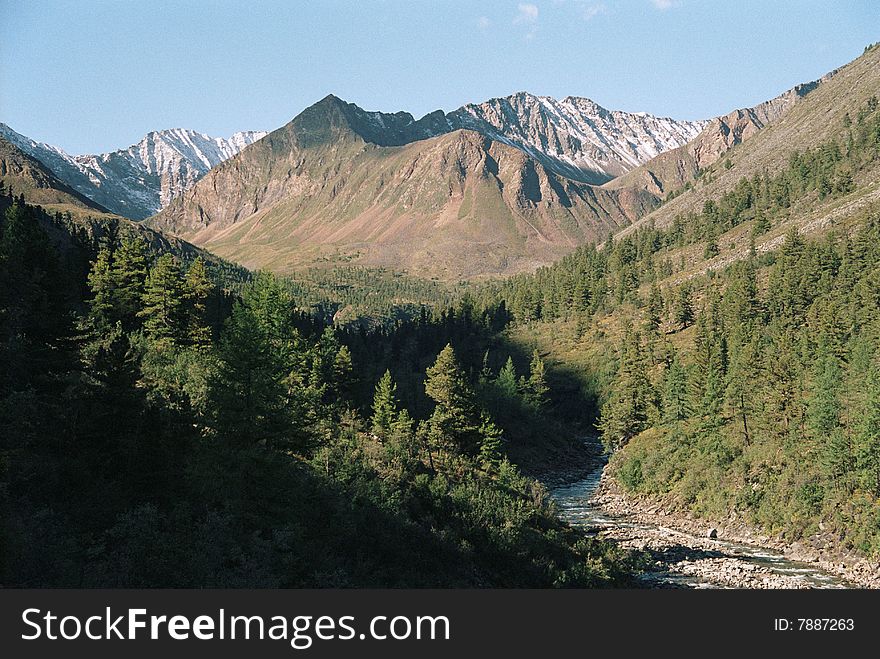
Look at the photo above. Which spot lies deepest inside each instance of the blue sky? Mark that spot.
(93, 76)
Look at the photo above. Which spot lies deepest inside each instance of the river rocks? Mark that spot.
(684, 552)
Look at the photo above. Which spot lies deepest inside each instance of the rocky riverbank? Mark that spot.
(682, 546)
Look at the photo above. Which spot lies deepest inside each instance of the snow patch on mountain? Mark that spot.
(141, 180)
(576, 137)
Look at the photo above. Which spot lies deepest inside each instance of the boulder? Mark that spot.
(712, 533)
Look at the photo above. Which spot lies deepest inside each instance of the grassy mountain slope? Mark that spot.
(815, 118)
(672, 170)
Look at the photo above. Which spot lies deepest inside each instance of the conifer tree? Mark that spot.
(490, 444)
(506, 381)
(823, 415)
(455, 418)
(712, 250)
(710, 405)
(384, 405)
(655, 308)
(824, 406)
(343, 374)
(744, 381)
(625, 414)
(198, 288)
(163, 304)
(101, 306)
(129, 275)
(536, 386)
(249, 393)
(683, 313)
(868, 435)
(676, 404)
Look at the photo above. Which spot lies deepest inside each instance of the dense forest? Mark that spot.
(753, 389)
(158, 430)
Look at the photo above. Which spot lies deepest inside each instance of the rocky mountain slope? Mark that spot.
(576, 137)
(333, 184)
(341, 183)
(799, 120)
(141, 180)
(676, 167)
(27, 176)
(76, 225)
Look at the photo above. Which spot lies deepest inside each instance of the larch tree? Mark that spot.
(164, 303)
(129, 276)
(626, 412)
(536, 386)
(455, 417)
(198, 288)
(385, 405)
(506, 381)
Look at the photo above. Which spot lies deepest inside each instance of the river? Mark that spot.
(685, 560)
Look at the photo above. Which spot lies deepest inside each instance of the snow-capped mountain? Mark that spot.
(141, 180)
(576, 137)
(573, 137)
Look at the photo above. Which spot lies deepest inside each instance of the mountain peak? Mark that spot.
(26, 175)
(323, 121)
(575, 137)
(139, 180)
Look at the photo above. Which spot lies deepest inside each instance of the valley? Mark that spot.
(363, 349)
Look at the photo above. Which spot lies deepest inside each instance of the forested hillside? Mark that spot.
(748, 387)
(159, 430)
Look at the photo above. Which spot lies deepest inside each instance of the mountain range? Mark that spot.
(495, 188)
(574, 137)
(340, 184)
(492, 188)
(141, 180)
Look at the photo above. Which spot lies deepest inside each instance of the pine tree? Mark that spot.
(384, 405)
(455, 417)
(163, 304)
(198, 288)
(506, 381)
(536, 386)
